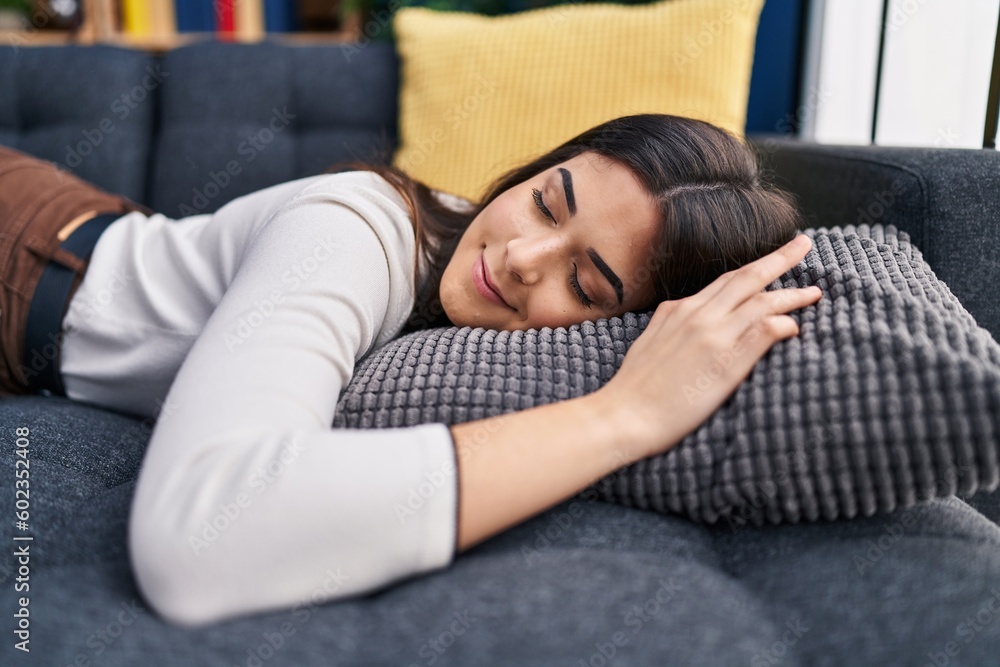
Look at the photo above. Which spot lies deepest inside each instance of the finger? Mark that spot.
(756, 312)
(764, 333)
(787, 299)
(752, 278)
(757, 340)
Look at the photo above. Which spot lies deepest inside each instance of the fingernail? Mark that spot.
(801, 241)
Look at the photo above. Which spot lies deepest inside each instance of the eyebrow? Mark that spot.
(607, 272)
(595, 257)
(567, 181)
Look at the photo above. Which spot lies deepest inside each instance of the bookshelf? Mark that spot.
(102, 24)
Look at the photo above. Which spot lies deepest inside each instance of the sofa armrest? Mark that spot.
(946, 199)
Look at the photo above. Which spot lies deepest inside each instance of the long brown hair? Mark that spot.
(717, 211)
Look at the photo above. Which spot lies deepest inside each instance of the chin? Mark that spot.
(455, 322)
(455, 316)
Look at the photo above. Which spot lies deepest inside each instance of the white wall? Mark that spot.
(935, 74)
(840, 66)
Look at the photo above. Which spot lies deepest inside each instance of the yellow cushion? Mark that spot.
(481, 94)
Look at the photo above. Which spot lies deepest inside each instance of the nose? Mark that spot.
(529, 257)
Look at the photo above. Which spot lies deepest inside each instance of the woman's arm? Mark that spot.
(247, 499)
(516, 465)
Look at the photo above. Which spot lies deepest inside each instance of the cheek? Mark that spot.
(496, 220)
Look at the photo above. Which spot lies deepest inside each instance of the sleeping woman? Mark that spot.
(237, 331)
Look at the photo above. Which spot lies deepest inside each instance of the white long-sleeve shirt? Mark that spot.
(238, 330)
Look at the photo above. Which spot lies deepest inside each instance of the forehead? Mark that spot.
(617, 216)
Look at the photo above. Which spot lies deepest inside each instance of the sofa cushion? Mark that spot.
(89, 109)
(482, 94)
(890, 394)
(303, 109)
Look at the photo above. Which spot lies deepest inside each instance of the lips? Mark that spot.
(489, 281)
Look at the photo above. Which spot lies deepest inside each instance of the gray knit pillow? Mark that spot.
(889, 395)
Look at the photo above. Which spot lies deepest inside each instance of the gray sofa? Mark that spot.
(585, 583)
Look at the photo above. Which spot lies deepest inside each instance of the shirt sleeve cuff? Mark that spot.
(436, 496)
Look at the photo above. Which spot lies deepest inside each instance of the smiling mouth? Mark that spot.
(483, 278)
(489, 283)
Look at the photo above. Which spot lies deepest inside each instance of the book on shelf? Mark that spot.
(280, 16)
(194, 16)
(163, 23)
(148, 17)
(248, 19)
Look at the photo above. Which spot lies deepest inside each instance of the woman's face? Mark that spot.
(603, 230)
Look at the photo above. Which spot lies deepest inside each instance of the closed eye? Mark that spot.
(574, 279)
(536, 194)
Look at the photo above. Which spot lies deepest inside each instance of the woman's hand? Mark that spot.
(696, 351)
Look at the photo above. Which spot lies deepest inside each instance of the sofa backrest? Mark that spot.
(180, 133)
(304, 108)
(77, 107)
